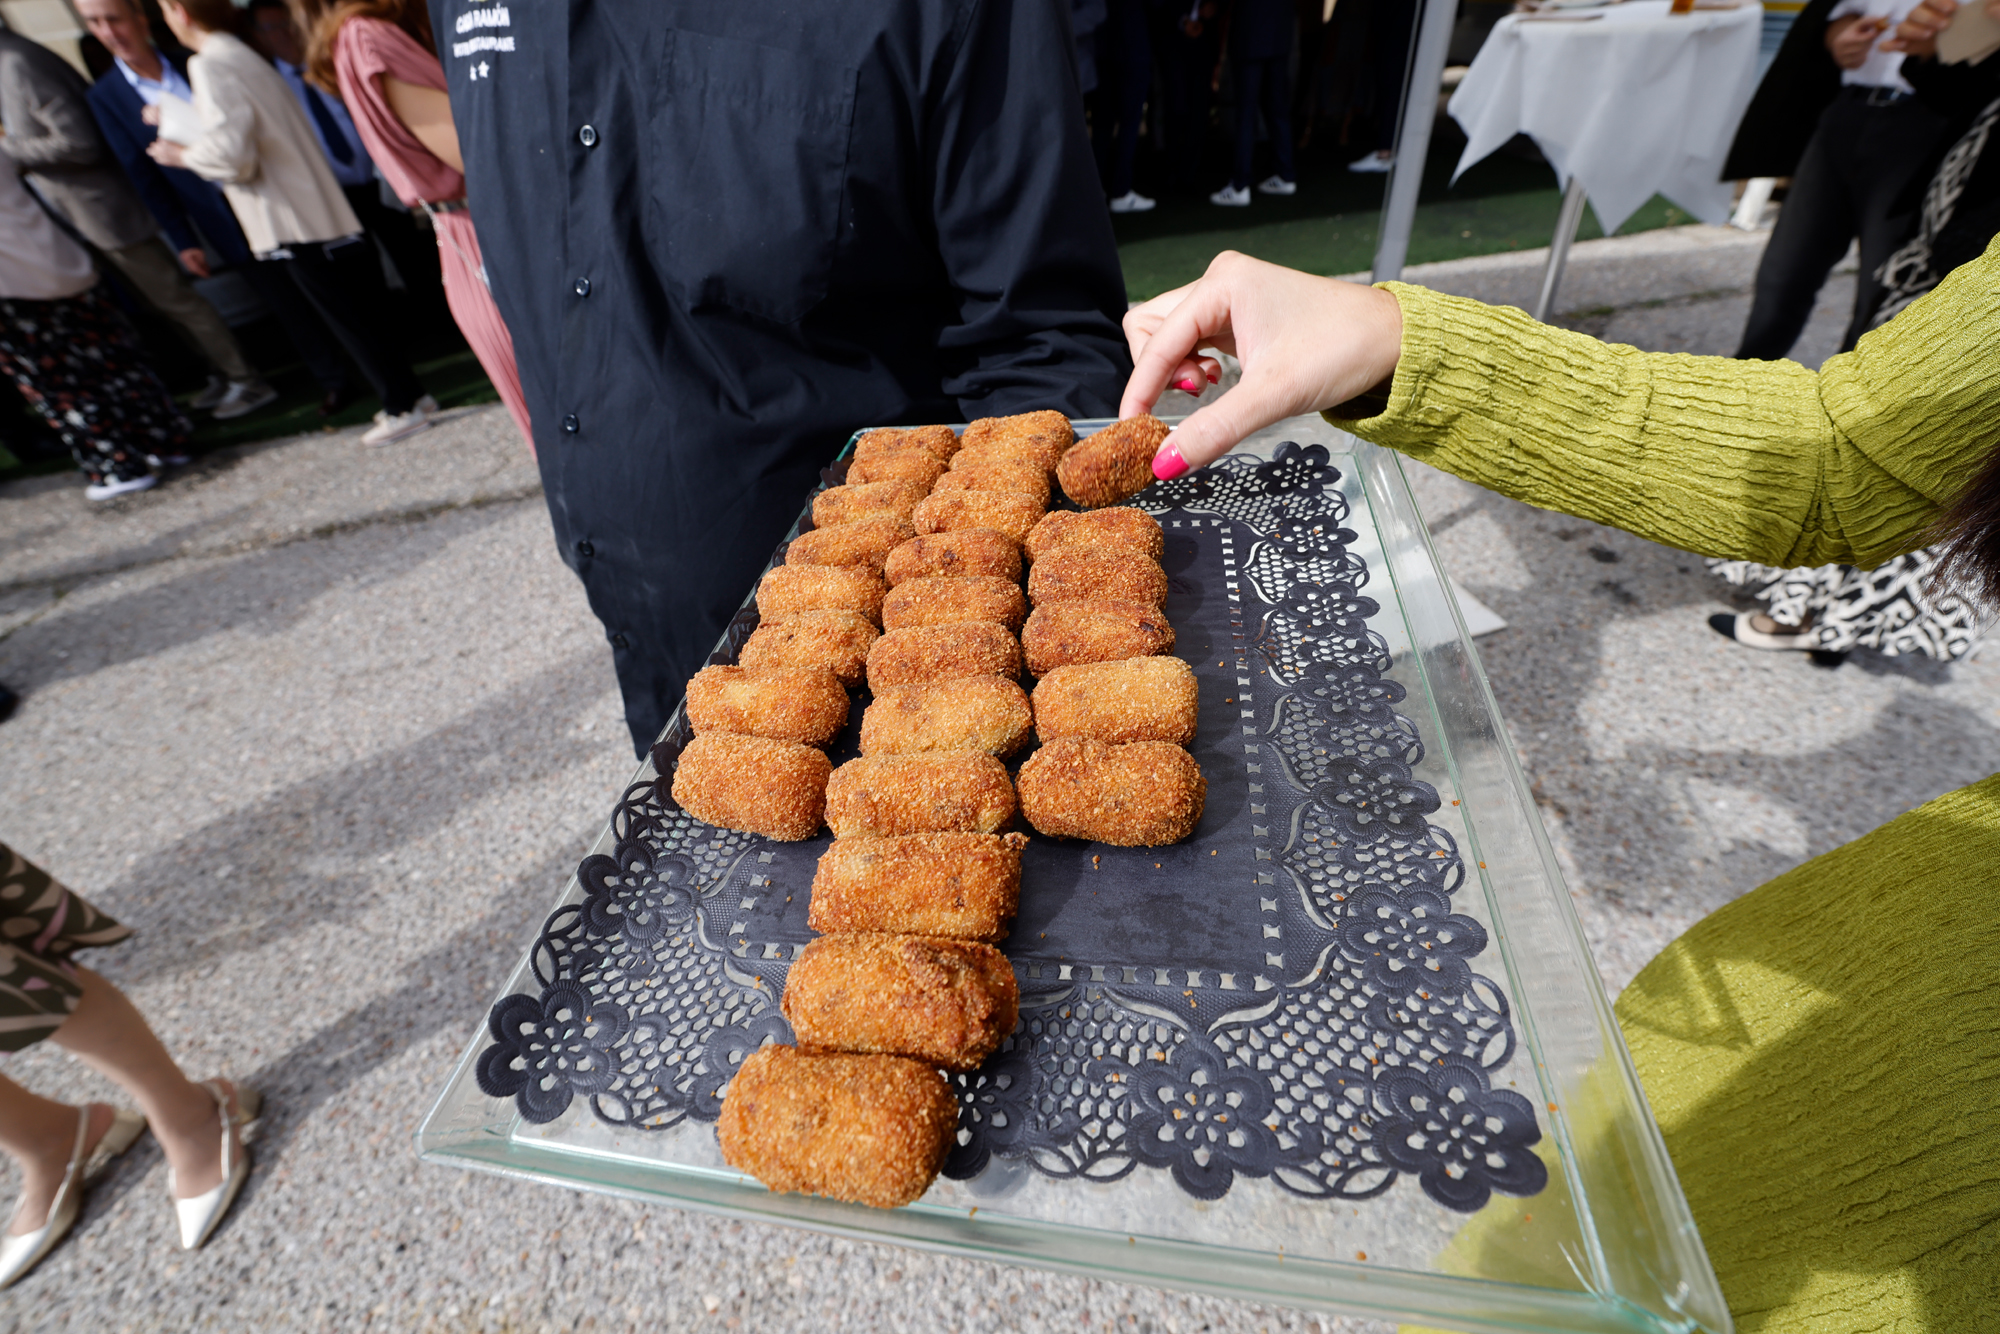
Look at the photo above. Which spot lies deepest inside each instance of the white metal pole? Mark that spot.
(1568, 218)
(1413, 136)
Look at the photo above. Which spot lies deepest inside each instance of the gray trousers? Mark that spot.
(156, 272)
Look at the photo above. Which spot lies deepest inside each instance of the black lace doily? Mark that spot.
(1287, 995)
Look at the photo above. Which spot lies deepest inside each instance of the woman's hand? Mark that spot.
(1917, 34)
(150, 113)
(1850, 39)
(167, 153)
(1306, 344)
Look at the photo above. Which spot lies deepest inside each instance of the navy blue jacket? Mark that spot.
(174, 196)
(725, 236)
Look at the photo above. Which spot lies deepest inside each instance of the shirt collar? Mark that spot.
(170, 81)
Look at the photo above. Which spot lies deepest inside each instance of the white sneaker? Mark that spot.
(395, 425)
(209, 397)
(1231, 197)
(114, 487)
(1131, 202)
(1374, 162)
(1277, 185)
(244, 396)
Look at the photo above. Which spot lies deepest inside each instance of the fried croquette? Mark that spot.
(965, 886)
(1113, 465)
(949, 1002)
(963, 551)
(1040, 455)
(942, 652)
(1011, 513)
(836, 640)
(790, 589)
(869, 1130)
(915, 465)
(1135, 699)
(752, 783)
(1140, 795)
(869, 500)
(864, 542)
(1075, 576)
(1047, 425)
(1023, 475)
(802, 704)
(1120, 528)
(939, 441)
(984, 713)
(885, 795)
(943, 599)
(1063, 633)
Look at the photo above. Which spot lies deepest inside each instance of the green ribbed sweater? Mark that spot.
(1823, 1054)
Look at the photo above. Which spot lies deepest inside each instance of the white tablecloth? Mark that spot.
(1636, 103)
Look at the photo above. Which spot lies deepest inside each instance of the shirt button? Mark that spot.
(620, 641)
(570, 424)
(583, 287)
(587, 136)
(585, 550)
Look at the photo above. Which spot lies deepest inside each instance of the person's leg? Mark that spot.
(301, 323)
(1813, 230)
(40, 1135)
(344, 283)
(1278, 114)
(1134, 56)
(1897, 142)
(77, 362)
(1249, 81)
(153, 269)
(411, 248)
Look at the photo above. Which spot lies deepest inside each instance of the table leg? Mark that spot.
(1566, 225)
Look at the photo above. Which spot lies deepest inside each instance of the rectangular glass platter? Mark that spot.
(1244, 928)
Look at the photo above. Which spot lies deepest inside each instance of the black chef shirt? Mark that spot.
(725, 235)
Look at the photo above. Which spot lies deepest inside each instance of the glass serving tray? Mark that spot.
(1344, 1048)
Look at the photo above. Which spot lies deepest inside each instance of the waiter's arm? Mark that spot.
(1022, 225)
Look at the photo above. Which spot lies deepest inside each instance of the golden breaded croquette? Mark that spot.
(983, 713)
(1119, 528)
(943, 599)
(802, 704)
(1009, 512)
(1140, 795)
(964, 886)
(1062, 633)
(949, 1002)
(915, 465)
(1073, 576)
(836, 640)
(1040, 455)
(869, 500)
(939, 441)
(1047, 425)
(864, 542)
(869, 1130)
(943, 652)
(1133, 699)
(1113, 465)
(962, 551)
(1023, 475)
(752, 783)
(796, 588)
(881, 796)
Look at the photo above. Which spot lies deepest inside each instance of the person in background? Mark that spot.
(52, 137)
(190, 211)
(61, 1148)
(259, 146)
(1382, 29)
(1124, 82)
(1260, 63)
(380, 56)
(74, 357)
(1188, 42)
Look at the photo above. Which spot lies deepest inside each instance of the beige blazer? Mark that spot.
(260, 148)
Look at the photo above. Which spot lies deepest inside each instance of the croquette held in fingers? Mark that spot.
(865, 542)
(943, 652)
(944, 599)
(1023, 476)
(881, 796)
(1008, 512)
(868, 500)
(950, 1002)
(1141, 795)
(1119, 528)
(1135, 699)
(1113, 465)
(981, 713)
(790, 589)
(1080, 576)
(802, 704)
(1062, 633)
(752, 783)
(869, 1130)
(839, 641)
(963, 886)
(963, 551)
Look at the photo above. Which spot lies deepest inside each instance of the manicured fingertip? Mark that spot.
(1168, 463)
(1188, 386)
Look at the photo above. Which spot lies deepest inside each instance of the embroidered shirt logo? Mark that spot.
(494, 16)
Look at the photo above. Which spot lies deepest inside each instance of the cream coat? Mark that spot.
(260, 148)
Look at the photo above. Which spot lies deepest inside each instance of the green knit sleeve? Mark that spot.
(1756, 460)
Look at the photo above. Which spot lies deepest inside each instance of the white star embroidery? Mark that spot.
(484, 70)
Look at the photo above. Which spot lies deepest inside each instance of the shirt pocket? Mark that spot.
(749, 149)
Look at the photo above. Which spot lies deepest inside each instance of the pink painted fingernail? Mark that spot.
(1168, 463)
(1213, 378)
(1188, 386)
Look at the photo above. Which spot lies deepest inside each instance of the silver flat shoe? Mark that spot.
(200, 1215)
(20, 1254)
(126, 1127)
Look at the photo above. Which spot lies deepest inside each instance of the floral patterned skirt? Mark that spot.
(41, 924)
(1887, 609)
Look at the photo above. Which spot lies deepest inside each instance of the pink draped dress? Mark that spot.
(363, 50)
